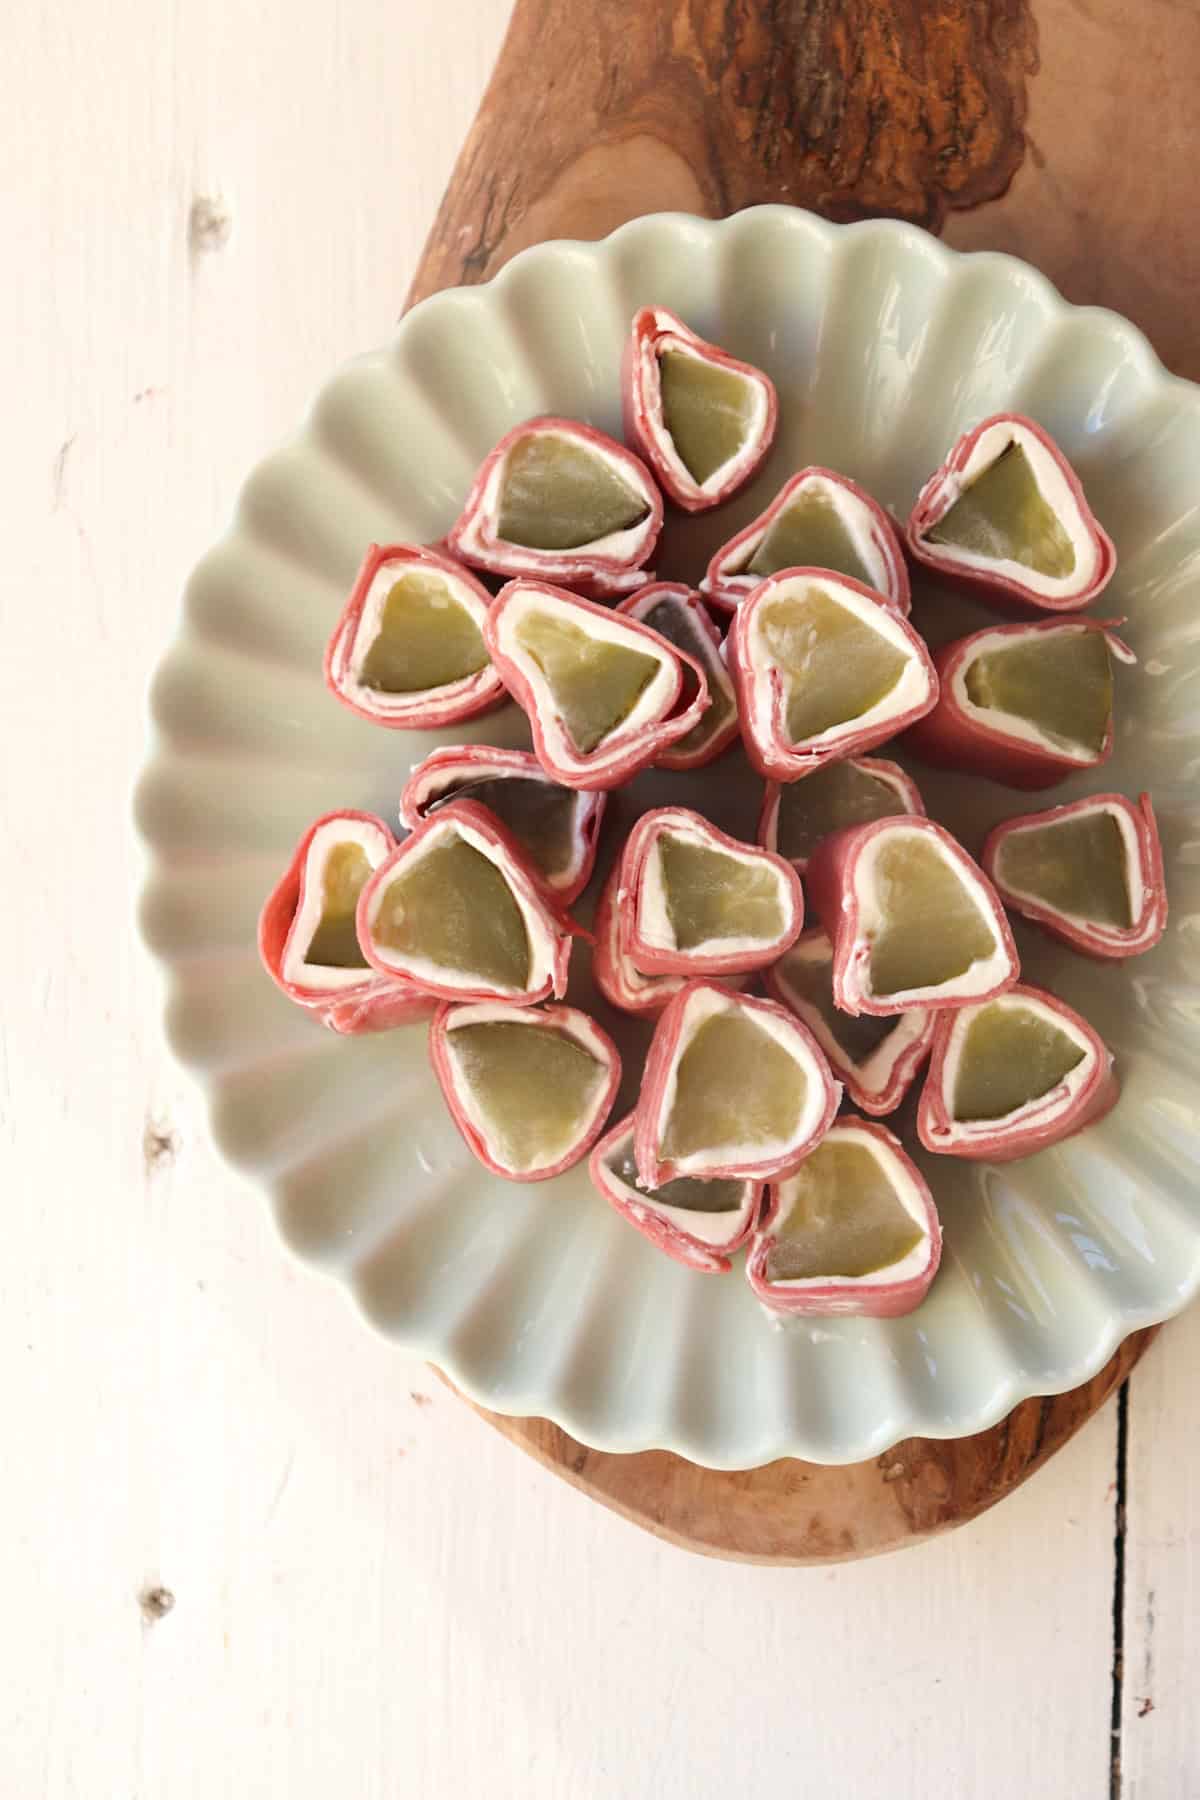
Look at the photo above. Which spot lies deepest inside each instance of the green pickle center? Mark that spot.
(809, 534)
(1061, 682)
(846, 1218)
(540, 814)
(1078, 866)
(536, 1087)
(426, 639)
(595, 683)
(735, 1085)
(836, 665)
(931, 930)
(335, 941)
(558, 495)
(858, 1036)
(706, 409)
(1011, 1055)
(837, 795)
(711, 895)
(454, 907)
(1003, 516)
(696, 1196)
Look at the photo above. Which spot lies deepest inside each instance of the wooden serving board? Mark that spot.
(1052, 129)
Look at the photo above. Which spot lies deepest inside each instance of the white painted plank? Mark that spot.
(373, 1595)
(1160, 1723)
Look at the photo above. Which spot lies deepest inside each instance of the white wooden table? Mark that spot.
(206, 206)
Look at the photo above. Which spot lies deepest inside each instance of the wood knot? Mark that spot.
(160, 1146)
(209, 224)
(156, 1603)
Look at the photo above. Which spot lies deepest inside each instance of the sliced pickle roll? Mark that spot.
(529, 1089)
(602, 692)
(678, 614)
(817, 520)
(1024, 704)
(912, 920)
(1013, 1075)
(1090, 873)
(877, 1059)
(308, 936)
(458, 908)
(695, 901)
(733, 1087)
(703, 420)
(408, 649)
(1006, 513)
(557, 501)
(622, 983)
(853, 1230)
(823, 670)
(557, 827)
(796, 815)
(697, 1222)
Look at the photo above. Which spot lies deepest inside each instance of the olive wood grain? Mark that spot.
(798, 1513)
(1059, 130)
(1000, 124)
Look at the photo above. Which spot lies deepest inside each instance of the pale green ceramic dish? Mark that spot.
(884, 346)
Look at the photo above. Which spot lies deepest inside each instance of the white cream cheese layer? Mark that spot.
(1046, 1107)
(326, 839)
(855, 518)
(421, 968)
(705, 1004)
(654, 924)
(579, 1029)
(905, 1190)
(649, 707)
(1055, 491)
(1133, 869)
(984, 973)
(620, 546)
(755, 422)
(911, 687)
(370, 620)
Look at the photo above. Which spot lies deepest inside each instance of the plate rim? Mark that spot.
(1117, 1325)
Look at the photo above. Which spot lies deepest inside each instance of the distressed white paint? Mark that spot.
(1160, 1738)
(374, 1596)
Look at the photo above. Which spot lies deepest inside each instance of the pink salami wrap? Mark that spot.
(1006, 581)
(655, 333)
(768, 895)
(699, 1235)
(1084, 1095)
(758, 1155)
(841, 885)
(678, 613)
(470, 770)
(622, 984)
(781, 796)
(875, 539)
(347, 665)
(655, 721)
(762, 682)
(505, 1152)
(876, 1061)
(548, 930)
(884, 1293)
(602, 569)
(982, 740)
(1145, 887)
(349, 1000)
